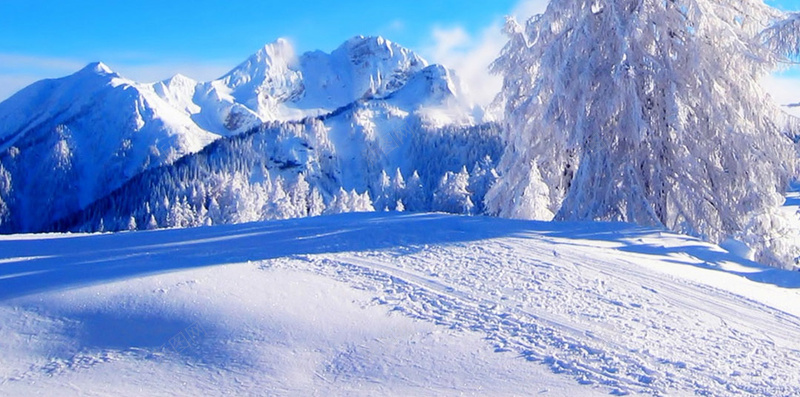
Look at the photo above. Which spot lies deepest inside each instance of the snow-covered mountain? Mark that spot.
(67, 142)
(339, 163)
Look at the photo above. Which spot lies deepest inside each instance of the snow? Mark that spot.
(98, 130)
(636, 117)
(393, 304)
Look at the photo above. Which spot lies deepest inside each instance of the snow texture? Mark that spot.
(394, 304)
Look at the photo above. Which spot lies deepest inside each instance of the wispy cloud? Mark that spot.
(785, 90)
(15, 62)
(395, 26)
(470, 55)
(18, 71)
(528, 8)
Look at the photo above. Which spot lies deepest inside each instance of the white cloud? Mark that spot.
(395, 26)
(785, 90)
(27, 62)
(18, 71)
(471, 55)
(528, 8)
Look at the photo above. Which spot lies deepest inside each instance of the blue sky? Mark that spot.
(212, 28)
(154, 39)
(149, 40)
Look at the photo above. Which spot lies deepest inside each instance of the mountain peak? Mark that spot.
(366, 46)
(361, 39)
(180, 79)
(274, 58)
(279, 50)
(97, 68)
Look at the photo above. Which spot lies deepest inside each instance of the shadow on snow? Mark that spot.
(53, 262)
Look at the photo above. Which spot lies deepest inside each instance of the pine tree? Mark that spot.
(415, 198)
(643, 111)
(298, 197)
(5, 193)
(316, 204)
(361, 202)
(481, 179)
(384, 195)
(214, 212)
(452, 194)
(339, 204)
(131, 224)
(398, 190)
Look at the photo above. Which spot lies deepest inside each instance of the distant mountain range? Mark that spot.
(343, 120)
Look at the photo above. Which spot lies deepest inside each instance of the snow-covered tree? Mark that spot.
(399, 190)
(644, 111)
(481, 179)
(362, 202)
(384, 194)
(151, 223)
(131, 224)
(339, 204)
(452, 194)
(398, 182)
(345, 201)
(414, 196)
(5, 193)
(316, 204)
(214, 211)
(298, 197)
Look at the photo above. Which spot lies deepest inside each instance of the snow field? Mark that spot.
(394, 304)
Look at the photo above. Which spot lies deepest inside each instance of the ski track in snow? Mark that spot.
(616, 308)
(583, 315)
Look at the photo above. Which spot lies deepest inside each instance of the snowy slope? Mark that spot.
(392, 304)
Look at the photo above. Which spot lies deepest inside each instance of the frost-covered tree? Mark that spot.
(316, 204)
(151, 223)
(384, 195)
(414, 196)
(453, 195)
(131, 224)
(278, 171)
(345, 201)
(5, 193)
(298, 197)
(646, 111)
(398, 182)
(361, 202)
(399, 190)
(481, 179)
